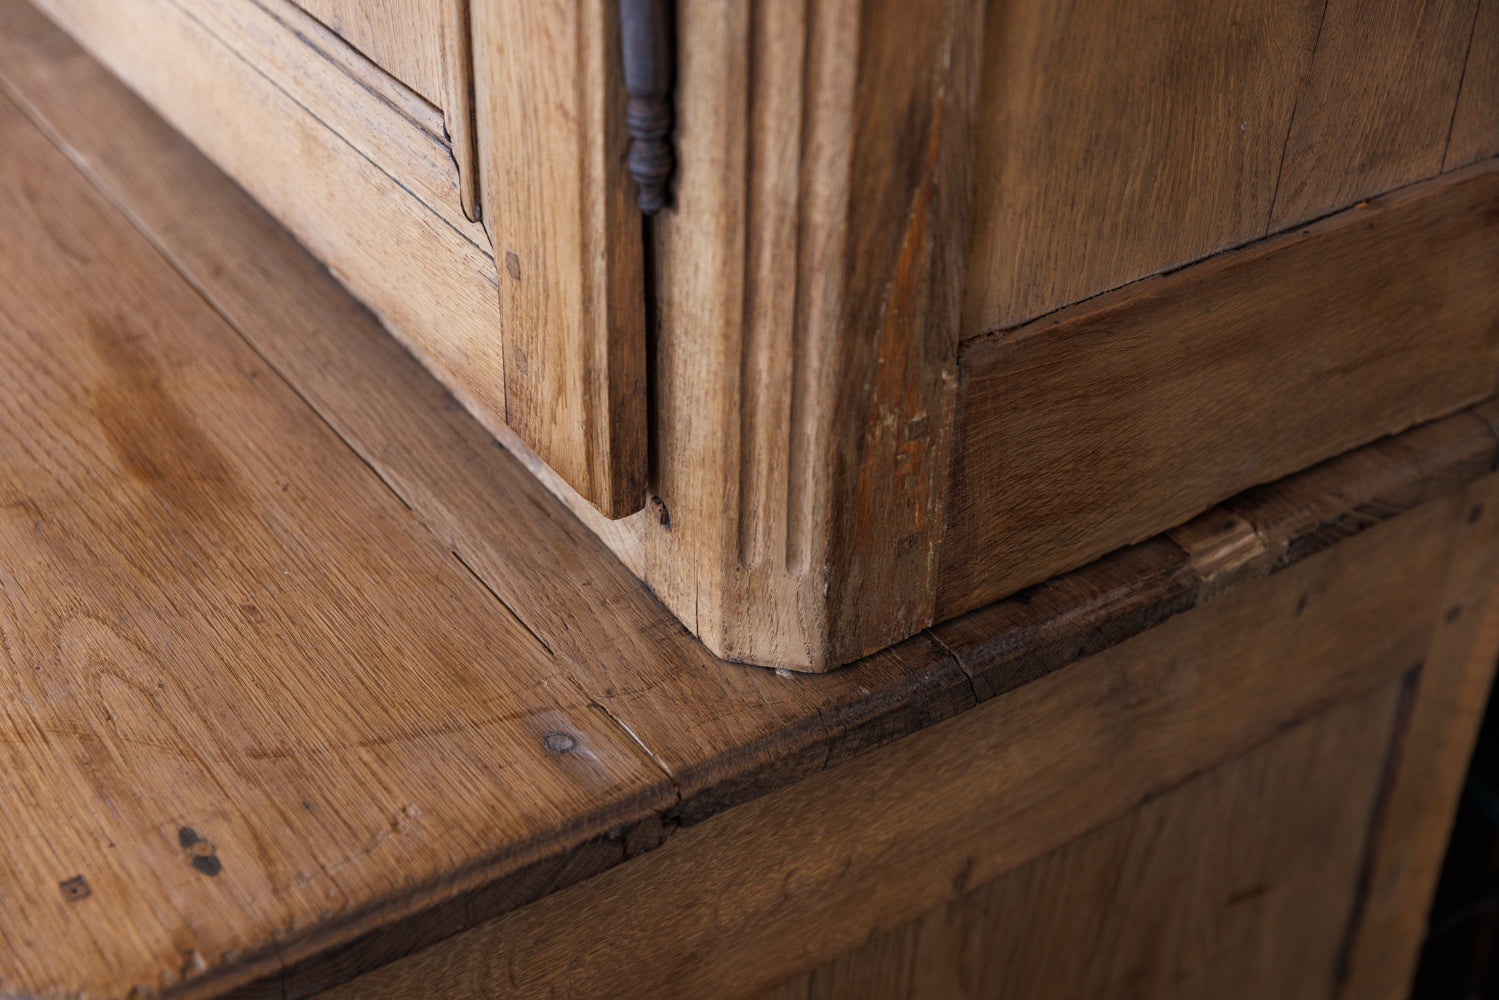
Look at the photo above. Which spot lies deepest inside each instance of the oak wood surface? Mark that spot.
(1374, 112)
(1238, 884)
(1109, 421)
(560, 207)
(1120, 141)
(458, 102)
(1021, 935)
(890, 835)
(807, 291)
(1475, 122)
(610, 639)
(431, 284)
(250, 701)
(1116, 140)
(393, 127)
(1436, 741)
(406, 37)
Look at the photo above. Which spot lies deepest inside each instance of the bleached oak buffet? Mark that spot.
(944, 298)
(1111, 384)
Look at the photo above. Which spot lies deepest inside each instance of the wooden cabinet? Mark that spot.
(941, 303)
(305, 686)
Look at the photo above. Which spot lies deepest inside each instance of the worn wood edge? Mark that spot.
(1425, 769)
(1035, 633)
(1313, 694)
(382, 936)
(391, 926)
(994, 509)
(558, 202)
(359, 68)
(1041, 630)
(1263, 530)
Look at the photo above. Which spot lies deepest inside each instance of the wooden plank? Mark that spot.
(1116, 140)
(1407, 848)
(406, 37)
(1238, 884)
(620, 643)
(1374, 112)
(559, 205)
(249, 699)
(431, 284)
(1125, 415)
(894, 833)
(1475, 125)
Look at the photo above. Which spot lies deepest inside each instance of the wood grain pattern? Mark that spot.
(1436, 743)
(1375, 110)
(804, 365)
(1116, 140)
(250, 700)
(1117, 418)
(390, 125)
(458, 103)
(892, 834)
(433, 286)
(560, 207)
(1238, 884)
(406, 37)
(610, 638)
(1475, 123)
(614, 637)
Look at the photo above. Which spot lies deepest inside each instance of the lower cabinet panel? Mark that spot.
(1238, 884)
(1108, 422)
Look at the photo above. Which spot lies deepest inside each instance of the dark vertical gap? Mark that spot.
(1410, 683)
(798, 469)
(649, 272)
(750, 410)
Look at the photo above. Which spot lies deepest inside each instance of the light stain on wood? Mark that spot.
(244, 683)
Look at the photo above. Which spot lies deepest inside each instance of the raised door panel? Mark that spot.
(1116, 141)
(403, 36)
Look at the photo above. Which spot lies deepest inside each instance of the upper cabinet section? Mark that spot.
(1119, 140)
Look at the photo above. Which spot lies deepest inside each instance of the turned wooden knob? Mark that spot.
(646, 47)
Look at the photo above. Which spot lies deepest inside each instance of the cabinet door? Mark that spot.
(568, 238)
(425, 45)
